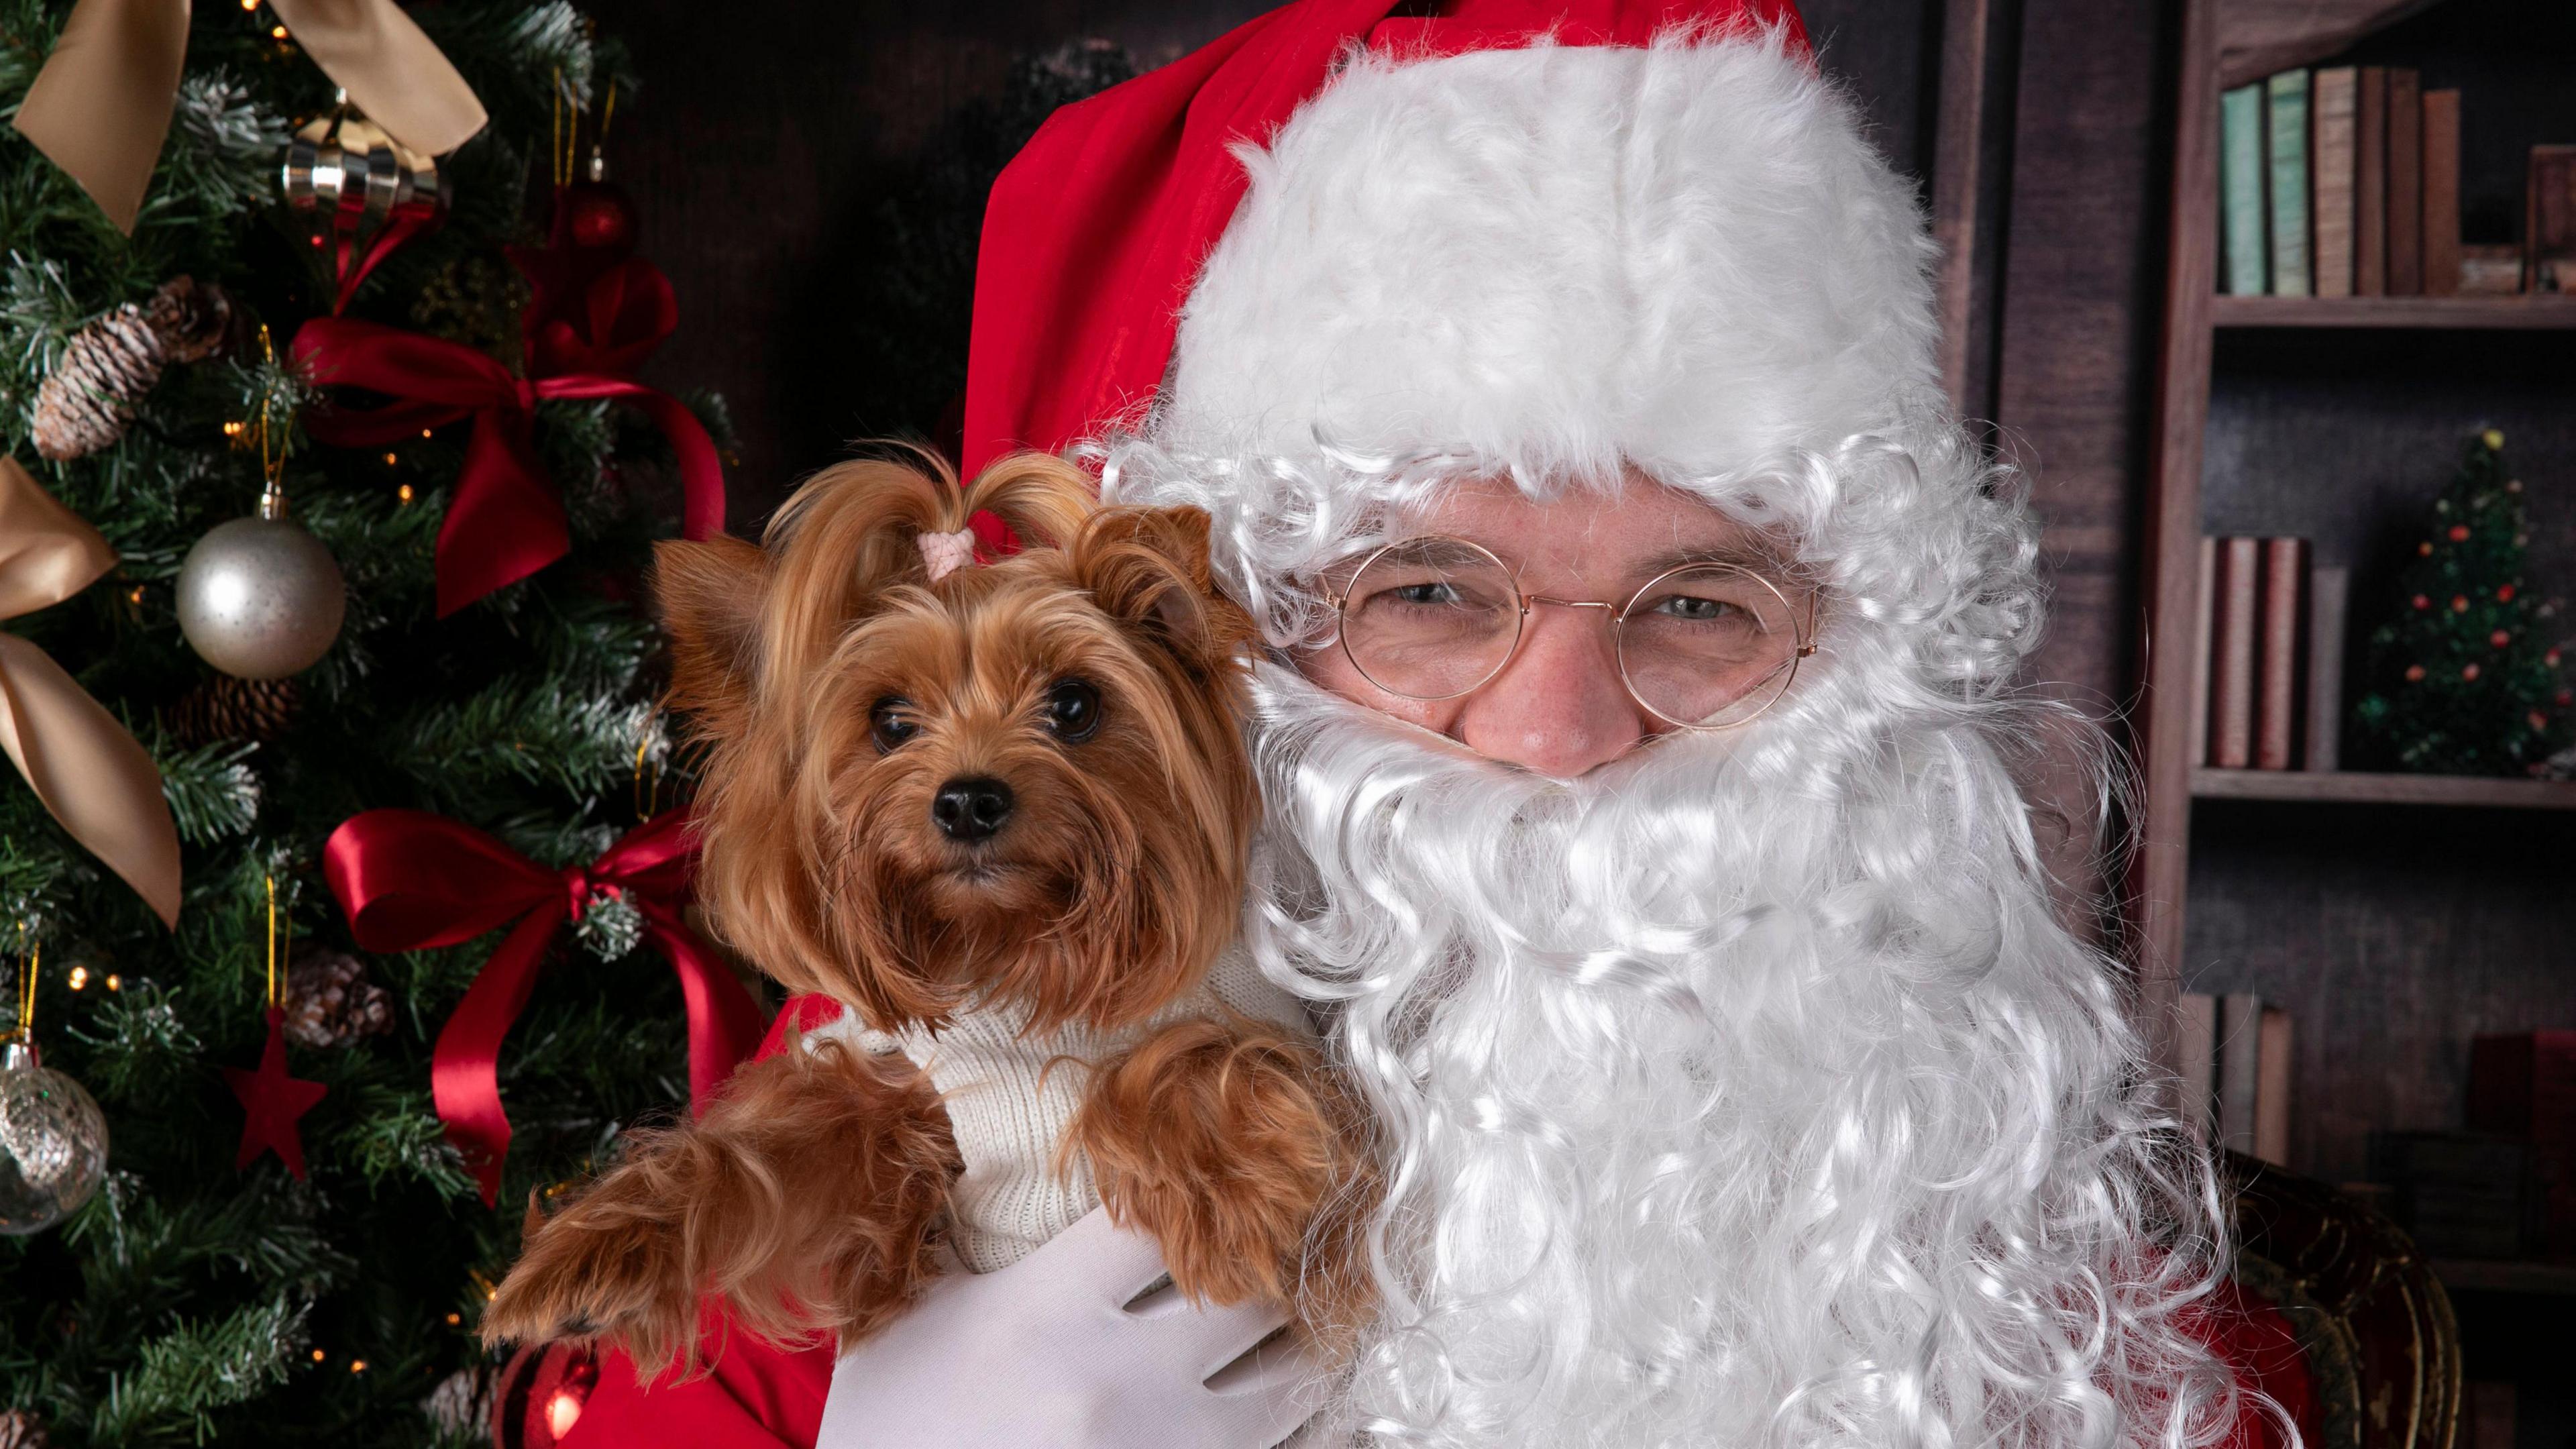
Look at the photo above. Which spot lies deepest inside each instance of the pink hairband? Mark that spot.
(945, 553)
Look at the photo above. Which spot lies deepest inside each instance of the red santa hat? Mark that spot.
(1553, 237)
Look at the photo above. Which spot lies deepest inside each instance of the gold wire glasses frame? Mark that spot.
(1784, 671)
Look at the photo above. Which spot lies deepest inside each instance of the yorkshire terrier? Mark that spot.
(1005, 803)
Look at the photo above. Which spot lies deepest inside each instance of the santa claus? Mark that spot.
(1636, 741)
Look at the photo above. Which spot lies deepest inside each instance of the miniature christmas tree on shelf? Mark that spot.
(2467, 679)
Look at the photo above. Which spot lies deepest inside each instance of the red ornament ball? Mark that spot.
(2468, 671)
(2423, 603)
(2459, 603)
(2459, 533)
(2414, 674)
(2499, 638)
(540, 1395)
(595, 216)
(2504, 593)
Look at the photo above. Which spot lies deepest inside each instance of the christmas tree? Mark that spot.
(2466, 679)
(433, 379)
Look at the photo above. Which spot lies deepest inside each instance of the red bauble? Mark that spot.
(596, 215)
(541, 1394)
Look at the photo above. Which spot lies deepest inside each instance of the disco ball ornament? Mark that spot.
(259, 598)
(53, 1143)
(359, 192)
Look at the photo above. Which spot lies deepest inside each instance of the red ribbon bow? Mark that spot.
(409, 880)
(505, 523)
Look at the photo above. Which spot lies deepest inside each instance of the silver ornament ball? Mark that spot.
(259, 598)
(53, 1143)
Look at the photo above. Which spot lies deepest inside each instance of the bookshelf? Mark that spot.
(2525, 313)
(2355, 787)
(2394, 916)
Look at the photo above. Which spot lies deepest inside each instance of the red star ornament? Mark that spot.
(272, 1101)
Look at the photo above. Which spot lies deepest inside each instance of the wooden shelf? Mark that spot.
(2495, 1275)
(2355, 788)
(2543, 311)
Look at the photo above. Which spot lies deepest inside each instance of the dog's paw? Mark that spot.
(1215, 1140)
(586, 1279)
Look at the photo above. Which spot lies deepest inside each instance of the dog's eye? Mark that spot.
(1073, 711)
(889, 725)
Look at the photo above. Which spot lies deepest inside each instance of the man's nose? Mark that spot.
(1559, 707)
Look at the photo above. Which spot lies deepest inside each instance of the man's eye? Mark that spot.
(889, 725)
(1424, 594)
(1683, 606)
(1073, 711)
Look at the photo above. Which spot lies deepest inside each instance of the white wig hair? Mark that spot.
(1749, 1090)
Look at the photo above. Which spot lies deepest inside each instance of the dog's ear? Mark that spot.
(1149, 568)
(711, 594)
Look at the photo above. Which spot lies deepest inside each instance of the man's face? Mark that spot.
(1559, 707)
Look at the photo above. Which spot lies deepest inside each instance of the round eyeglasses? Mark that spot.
(1702, 646)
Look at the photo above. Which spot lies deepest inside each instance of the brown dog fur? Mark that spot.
(837, 688)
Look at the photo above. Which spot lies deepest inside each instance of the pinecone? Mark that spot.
(110, 364)
(225, 708)
(331, 1003)
(20, 1429)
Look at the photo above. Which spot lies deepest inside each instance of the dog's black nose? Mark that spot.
(971, 810)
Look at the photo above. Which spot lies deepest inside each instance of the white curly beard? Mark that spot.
(1744, 1092)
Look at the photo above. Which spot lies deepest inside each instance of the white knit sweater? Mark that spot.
(1009, 1111)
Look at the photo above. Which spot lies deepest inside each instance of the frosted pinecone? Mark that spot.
(331, 1003)
(109, 365)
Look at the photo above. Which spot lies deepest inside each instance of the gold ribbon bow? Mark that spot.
(85, 767)
(101, 106)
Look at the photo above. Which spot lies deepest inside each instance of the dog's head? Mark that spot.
(932, 786)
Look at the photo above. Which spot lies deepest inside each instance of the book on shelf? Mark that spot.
(2370, 183)
(2331, 160)
(2233, 650)
(2549, 220)
(2278, 668)
(2405, 182)
(2204, 620)
(2329, 602)
(2285, 141)
(2441, 193)
(2522, 1087)
(2235, 1081)
(2240, 174)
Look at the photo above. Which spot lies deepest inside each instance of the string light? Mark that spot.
(134, 595)
(389, 460)
(319, 1355)
(454, 1319)
(80, 978)
(357, 1365)
(277, 32)
(115, 982)
(424, 432)
(233, 428)
(403, 494)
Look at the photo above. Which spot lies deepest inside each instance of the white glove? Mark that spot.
(1049, 1354)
